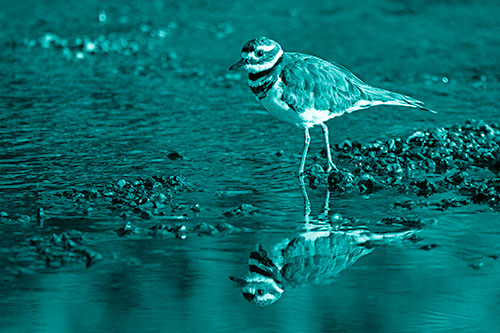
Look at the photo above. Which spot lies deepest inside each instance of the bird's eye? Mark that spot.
(260, 292)
(260, 53)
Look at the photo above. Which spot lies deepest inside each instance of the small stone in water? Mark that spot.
(102, 17)
(174, 156)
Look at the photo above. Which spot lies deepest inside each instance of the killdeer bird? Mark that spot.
(313, 257)
(306, 90)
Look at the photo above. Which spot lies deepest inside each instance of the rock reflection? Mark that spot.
(316, 255)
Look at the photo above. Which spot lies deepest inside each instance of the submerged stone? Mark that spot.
(241, 210)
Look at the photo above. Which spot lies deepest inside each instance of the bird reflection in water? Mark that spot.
(317, 255)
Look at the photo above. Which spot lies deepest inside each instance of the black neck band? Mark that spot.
(256, 76)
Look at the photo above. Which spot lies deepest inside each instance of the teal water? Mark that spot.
(76, 117)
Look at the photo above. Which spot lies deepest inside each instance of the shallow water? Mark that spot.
(163, 87)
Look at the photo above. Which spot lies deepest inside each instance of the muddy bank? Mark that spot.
(142, 197)
(463, 160)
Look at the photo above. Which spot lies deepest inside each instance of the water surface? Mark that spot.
(81, 119)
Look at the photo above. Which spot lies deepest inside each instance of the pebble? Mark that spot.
(242, 210)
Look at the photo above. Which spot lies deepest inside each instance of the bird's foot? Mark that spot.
(331, 167)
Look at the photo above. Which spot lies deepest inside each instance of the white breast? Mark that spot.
(277, 107)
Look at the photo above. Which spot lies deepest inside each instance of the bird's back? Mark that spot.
(311, 83)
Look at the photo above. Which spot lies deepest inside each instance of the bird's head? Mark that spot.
(258, 55)
(263, 284)
(258, 289)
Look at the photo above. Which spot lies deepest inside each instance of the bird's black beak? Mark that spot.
(249, 297)
(240, 282)
(239, 64)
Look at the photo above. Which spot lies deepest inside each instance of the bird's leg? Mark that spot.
(307, 204)
(326, 206)
(307, 140)
(328, 153)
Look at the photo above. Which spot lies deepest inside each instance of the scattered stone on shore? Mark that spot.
(426, 162)
(143, 197)
(485, 191)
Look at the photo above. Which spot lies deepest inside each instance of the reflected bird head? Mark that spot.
(262, 285)
(258, 55)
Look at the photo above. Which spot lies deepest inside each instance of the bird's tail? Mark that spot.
(379, 96)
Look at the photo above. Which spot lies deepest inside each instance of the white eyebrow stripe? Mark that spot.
(265, 48)
(255, 68)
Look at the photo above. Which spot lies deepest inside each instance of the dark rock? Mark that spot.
(367, 183)
(425, 187)
(413, 223)
(429, 247)
(205, 229)
(58, 250)
(316, 176)
(174, 156)
(40, 217)
(477, 265)
(180, 231)
(340, 180)
(494, 165)
(241, 210)
(410, 204)
(225, 227)
(126, 229)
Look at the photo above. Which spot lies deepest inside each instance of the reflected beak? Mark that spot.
(249, 297)
(239, 281)
(239, 64)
